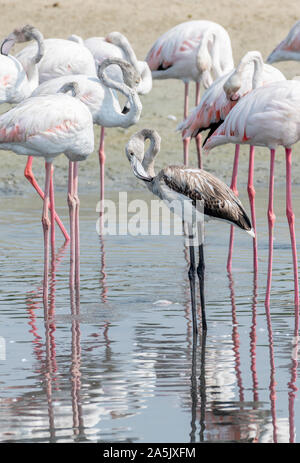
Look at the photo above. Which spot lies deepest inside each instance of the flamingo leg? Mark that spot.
(271, 221)
(251, 194)
(200, 272)
(102, 163)
(72, 206)
(186, 141)
(76, 229)
(30, 177)
(198, 138)
(291, 220)
(52, 212)
(46, 225)
(192, 278)
(233, 186)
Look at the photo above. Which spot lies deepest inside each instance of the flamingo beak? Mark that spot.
(7, 44)
(139, 170)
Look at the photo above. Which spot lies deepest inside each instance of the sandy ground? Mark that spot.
(255, 25)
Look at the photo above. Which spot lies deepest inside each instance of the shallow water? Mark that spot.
(117, 366)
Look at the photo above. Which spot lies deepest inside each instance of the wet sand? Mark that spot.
(252, 25)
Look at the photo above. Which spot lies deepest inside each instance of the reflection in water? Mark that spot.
(104, 368)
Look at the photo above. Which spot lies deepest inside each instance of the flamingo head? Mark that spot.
(232, 87)
(116, 38)
(21, 35)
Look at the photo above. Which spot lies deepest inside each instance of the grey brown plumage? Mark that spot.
(218, 199)
(183, 183)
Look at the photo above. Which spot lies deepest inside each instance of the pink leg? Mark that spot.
(72, 206)
(291, 220)
(77, 240)
(46, 225)
(186, 142)
(271, 220)
(251, 194)
(198, 138)
(30, 177)
(233, 186)
(102, 163)
(52, 211)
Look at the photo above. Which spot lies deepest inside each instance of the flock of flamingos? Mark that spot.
(60, 88)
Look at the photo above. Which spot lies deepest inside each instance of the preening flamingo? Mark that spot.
(98, 95)
(46, 126)
(60, 57)
(289, 48)
(268, 116)
(16, 83)
(217, 102)
(194, 50)
(196, 192)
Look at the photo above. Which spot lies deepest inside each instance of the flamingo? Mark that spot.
(15, 83)
(289, 48)
(116, 45)
(193, 50)
(98, 95)
(217, 102)
(60, 57)
(268, 116)
(195, 191)
(47, 126)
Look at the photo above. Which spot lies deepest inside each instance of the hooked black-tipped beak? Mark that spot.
(126, 109)
(139, 170)
(7, 44)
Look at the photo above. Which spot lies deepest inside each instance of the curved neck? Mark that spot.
(135, 109)
(204, 59)
(32, 66)
(128, 51)
(255, 58)
(150, 155)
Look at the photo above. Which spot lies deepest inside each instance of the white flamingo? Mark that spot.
(268, 116)
(98, 95)
(46, 126)
(116, 45)
(216, 103)
(16, 83)
(60, 57)
(196, 51)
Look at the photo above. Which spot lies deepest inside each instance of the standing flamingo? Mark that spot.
(98, 94)
(115, 45)
(47, 126)
(193, 50)
(60, 57)
(196, 192)
(16, 83)
(289, 48)
(268, 116)
(217, 102)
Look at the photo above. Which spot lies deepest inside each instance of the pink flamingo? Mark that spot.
(59, 57)
(268, 116)
(193, 50)
(98, 95)
(115, 45)
(47, 126)
(289, 48)
(217, 102)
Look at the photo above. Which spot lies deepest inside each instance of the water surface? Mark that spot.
(117, 366)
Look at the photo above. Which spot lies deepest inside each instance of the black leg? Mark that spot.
(192, 278)
(200, 272)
